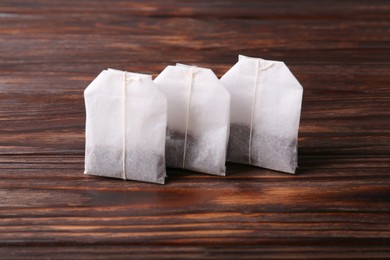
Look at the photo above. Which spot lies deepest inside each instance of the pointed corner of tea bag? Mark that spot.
(182, 65)
(293, 171)
(110, 69)
(166, 71)
(169, 67)
(244, 57)
(162, 179)
(96, 83)
(290, 75)
(290, 170)
(241, 57)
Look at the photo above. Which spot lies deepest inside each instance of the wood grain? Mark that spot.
(336, 206)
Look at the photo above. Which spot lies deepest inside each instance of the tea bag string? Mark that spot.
(190, 83)
(253, 109)
(126, 80)
(124, 94)
(255, 87)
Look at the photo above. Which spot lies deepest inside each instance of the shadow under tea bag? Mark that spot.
(125, 127)
(265, 110)
(198, 119)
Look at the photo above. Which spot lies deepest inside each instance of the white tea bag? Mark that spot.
(265, 110)
(198, 119)
(125, 128)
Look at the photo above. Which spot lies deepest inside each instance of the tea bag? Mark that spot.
(125, 127)
(265, 110)
(198, 119)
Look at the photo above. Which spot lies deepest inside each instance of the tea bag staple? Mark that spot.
(198, 119)
(265, 111)
(125, 127)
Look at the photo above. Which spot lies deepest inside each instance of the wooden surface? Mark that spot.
(338, 204)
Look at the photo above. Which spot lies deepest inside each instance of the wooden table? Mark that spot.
(336, 206)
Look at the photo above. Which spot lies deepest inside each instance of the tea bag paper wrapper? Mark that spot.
(125, 127)
(265, 111)
(198, 119)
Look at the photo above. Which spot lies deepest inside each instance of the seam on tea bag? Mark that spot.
(190, 75)
(253, 108)
(124, 127)
(257, 76)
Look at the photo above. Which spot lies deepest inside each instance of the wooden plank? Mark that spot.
(291, 41)
(301, 9)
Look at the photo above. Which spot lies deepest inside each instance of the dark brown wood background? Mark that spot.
(338, 204)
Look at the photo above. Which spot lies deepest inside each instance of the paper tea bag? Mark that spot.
(198, 119)
(265, 110)
(125, 128)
